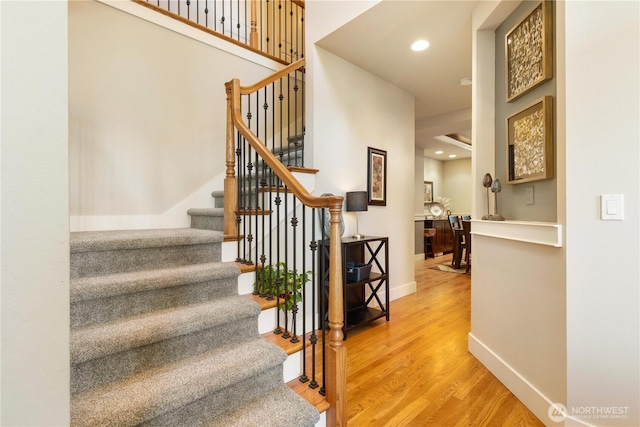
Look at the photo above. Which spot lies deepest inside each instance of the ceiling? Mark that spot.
(379, 41)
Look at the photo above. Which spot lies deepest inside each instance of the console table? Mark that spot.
(443, 240)
(362, 303)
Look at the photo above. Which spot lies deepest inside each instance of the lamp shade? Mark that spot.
(357, 201)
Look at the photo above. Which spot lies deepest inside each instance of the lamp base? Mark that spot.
(358, 236)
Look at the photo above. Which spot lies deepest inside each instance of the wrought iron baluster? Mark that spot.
(239, 177)
(301, 44)
(285, 333)
(295, 114)
(296, 274)
(222, 19)
(267, 37)
(278, 329)
(279, 53)
(206, 13)
(313, 339)
(304, 80)
(281, 98)
(324, 274)
(257, 178)
(248, 207)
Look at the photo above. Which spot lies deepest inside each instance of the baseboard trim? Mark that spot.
(529, 395)
(419, 257)
(402, 290)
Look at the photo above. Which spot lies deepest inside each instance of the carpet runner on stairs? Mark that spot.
(160, 336)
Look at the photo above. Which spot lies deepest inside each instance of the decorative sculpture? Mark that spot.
(486, 183)
(496, 187)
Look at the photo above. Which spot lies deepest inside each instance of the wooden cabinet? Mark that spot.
(365, 299)
(443, 240)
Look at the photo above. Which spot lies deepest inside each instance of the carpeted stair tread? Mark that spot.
(265, 411)
(206, 212)
(103, 339)
(86, 288)
(149, 394)
(88, 241)
(207, 218)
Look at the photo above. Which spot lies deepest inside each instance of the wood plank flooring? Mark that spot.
(416, 370)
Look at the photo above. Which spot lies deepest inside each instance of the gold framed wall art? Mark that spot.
(529, 52)
(530, 142)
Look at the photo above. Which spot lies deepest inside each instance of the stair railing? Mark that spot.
(271, 215)
(273, 28)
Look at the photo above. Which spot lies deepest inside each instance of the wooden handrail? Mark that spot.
(336, 352)
(234, 92)
(243, 90)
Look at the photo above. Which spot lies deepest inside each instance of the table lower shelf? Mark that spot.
(360, 315)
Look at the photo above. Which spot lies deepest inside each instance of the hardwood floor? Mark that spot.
(415, 370)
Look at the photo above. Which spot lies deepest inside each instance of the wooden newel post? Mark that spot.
(336, 352)
(253, 35)
(230, 181)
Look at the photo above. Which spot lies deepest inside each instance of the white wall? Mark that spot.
(34, 222)
(602, 134)
(518, 317)
(350, 110)
(562, 324)
(451, 179)
(147, 113)
(355, 110)
(434, 172)
(457, 185)
(321, 18)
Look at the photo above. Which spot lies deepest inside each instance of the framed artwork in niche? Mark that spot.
(530, 142)
(428, 192)
(377, 177)
(529, 52)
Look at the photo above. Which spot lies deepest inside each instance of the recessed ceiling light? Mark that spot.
(439, 152)
(419, 45)
(451, 156)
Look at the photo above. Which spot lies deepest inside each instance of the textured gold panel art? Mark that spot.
(530, 142)
(528, 52)
(528, 145)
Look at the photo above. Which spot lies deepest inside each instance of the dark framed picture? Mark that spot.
(530, 142)
(377, 177)
(529, 53)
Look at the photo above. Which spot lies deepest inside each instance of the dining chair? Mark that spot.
(454, 221)
(466, 217)
(466, 226)
(458, 240)
(429, 235)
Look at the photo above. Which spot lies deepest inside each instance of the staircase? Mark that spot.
(160, 336)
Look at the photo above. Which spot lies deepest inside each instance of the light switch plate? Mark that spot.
(612, 207)
(529, 195)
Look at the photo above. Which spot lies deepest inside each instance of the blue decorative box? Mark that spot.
(357, 271)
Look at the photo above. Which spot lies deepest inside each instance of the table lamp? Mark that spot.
(357, 201)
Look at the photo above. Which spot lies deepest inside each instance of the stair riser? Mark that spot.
(207, 222)
(101, 371)
(121, 306)
(88, 264)
(206, 410)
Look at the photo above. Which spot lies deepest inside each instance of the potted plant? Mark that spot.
(286, 284)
